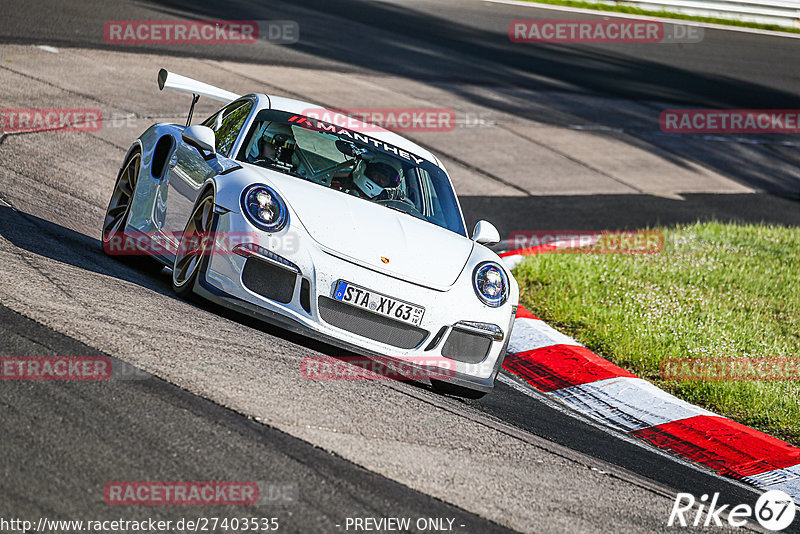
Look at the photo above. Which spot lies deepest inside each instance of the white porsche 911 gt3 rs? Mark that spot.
(352, 235)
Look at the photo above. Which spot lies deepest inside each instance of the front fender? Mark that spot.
(229, 185)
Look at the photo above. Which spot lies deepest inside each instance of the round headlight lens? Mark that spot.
(264, 208)
(491, 284)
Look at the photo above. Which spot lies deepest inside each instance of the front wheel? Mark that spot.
(196, 243)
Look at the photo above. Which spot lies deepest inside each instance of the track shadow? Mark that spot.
(462, 57)
(625, 212)
(56, 242)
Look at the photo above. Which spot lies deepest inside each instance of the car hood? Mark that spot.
(375, 236)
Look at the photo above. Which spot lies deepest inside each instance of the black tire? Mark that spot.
(448, 388)
(116, 242)
(192, 257)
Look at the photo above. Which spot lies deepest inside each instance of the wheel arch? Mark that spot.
(209, 185)
(136, 146)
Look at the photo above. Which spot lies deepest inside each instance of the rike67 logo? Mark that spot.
(774, 510)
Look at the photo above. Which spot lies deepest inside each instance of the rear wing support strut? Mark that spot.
(195, 98)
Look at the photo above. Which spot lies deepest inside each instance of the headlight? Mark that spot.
(491, 284)
(264, 208)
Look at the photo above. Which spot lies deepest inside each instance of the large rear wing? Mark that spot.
(170, 80)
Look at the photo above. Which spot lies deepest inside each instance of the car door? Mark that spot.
(188, 170)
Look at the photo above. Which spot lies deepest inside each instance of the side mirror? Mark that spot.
(485, 233)
(202, 138)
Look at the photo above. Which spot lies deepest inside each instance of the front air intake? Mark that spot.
(269, 280)
(467, 347)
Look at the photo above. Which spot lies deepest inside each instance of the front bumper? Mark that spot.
(222, 283)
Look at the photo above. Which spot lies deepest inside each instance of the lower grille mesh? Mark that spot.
(370, 325)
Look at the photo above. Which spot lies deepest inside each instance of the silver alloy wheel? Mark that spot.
(119, 205)
(194, 242)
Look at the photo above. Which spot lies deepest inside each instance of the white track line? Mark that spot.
(628, 404)
(532, 334)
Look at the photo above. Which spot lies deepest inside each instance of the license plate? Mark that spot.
(378, 303)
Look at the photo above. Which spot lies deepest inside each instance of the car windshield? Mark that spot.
(353, 163)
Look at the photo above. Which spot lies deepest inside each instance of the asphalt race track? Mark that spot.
(568, 138)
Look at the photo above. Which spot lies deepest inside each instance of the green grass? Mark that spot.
(715, 291)
(664, 14)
